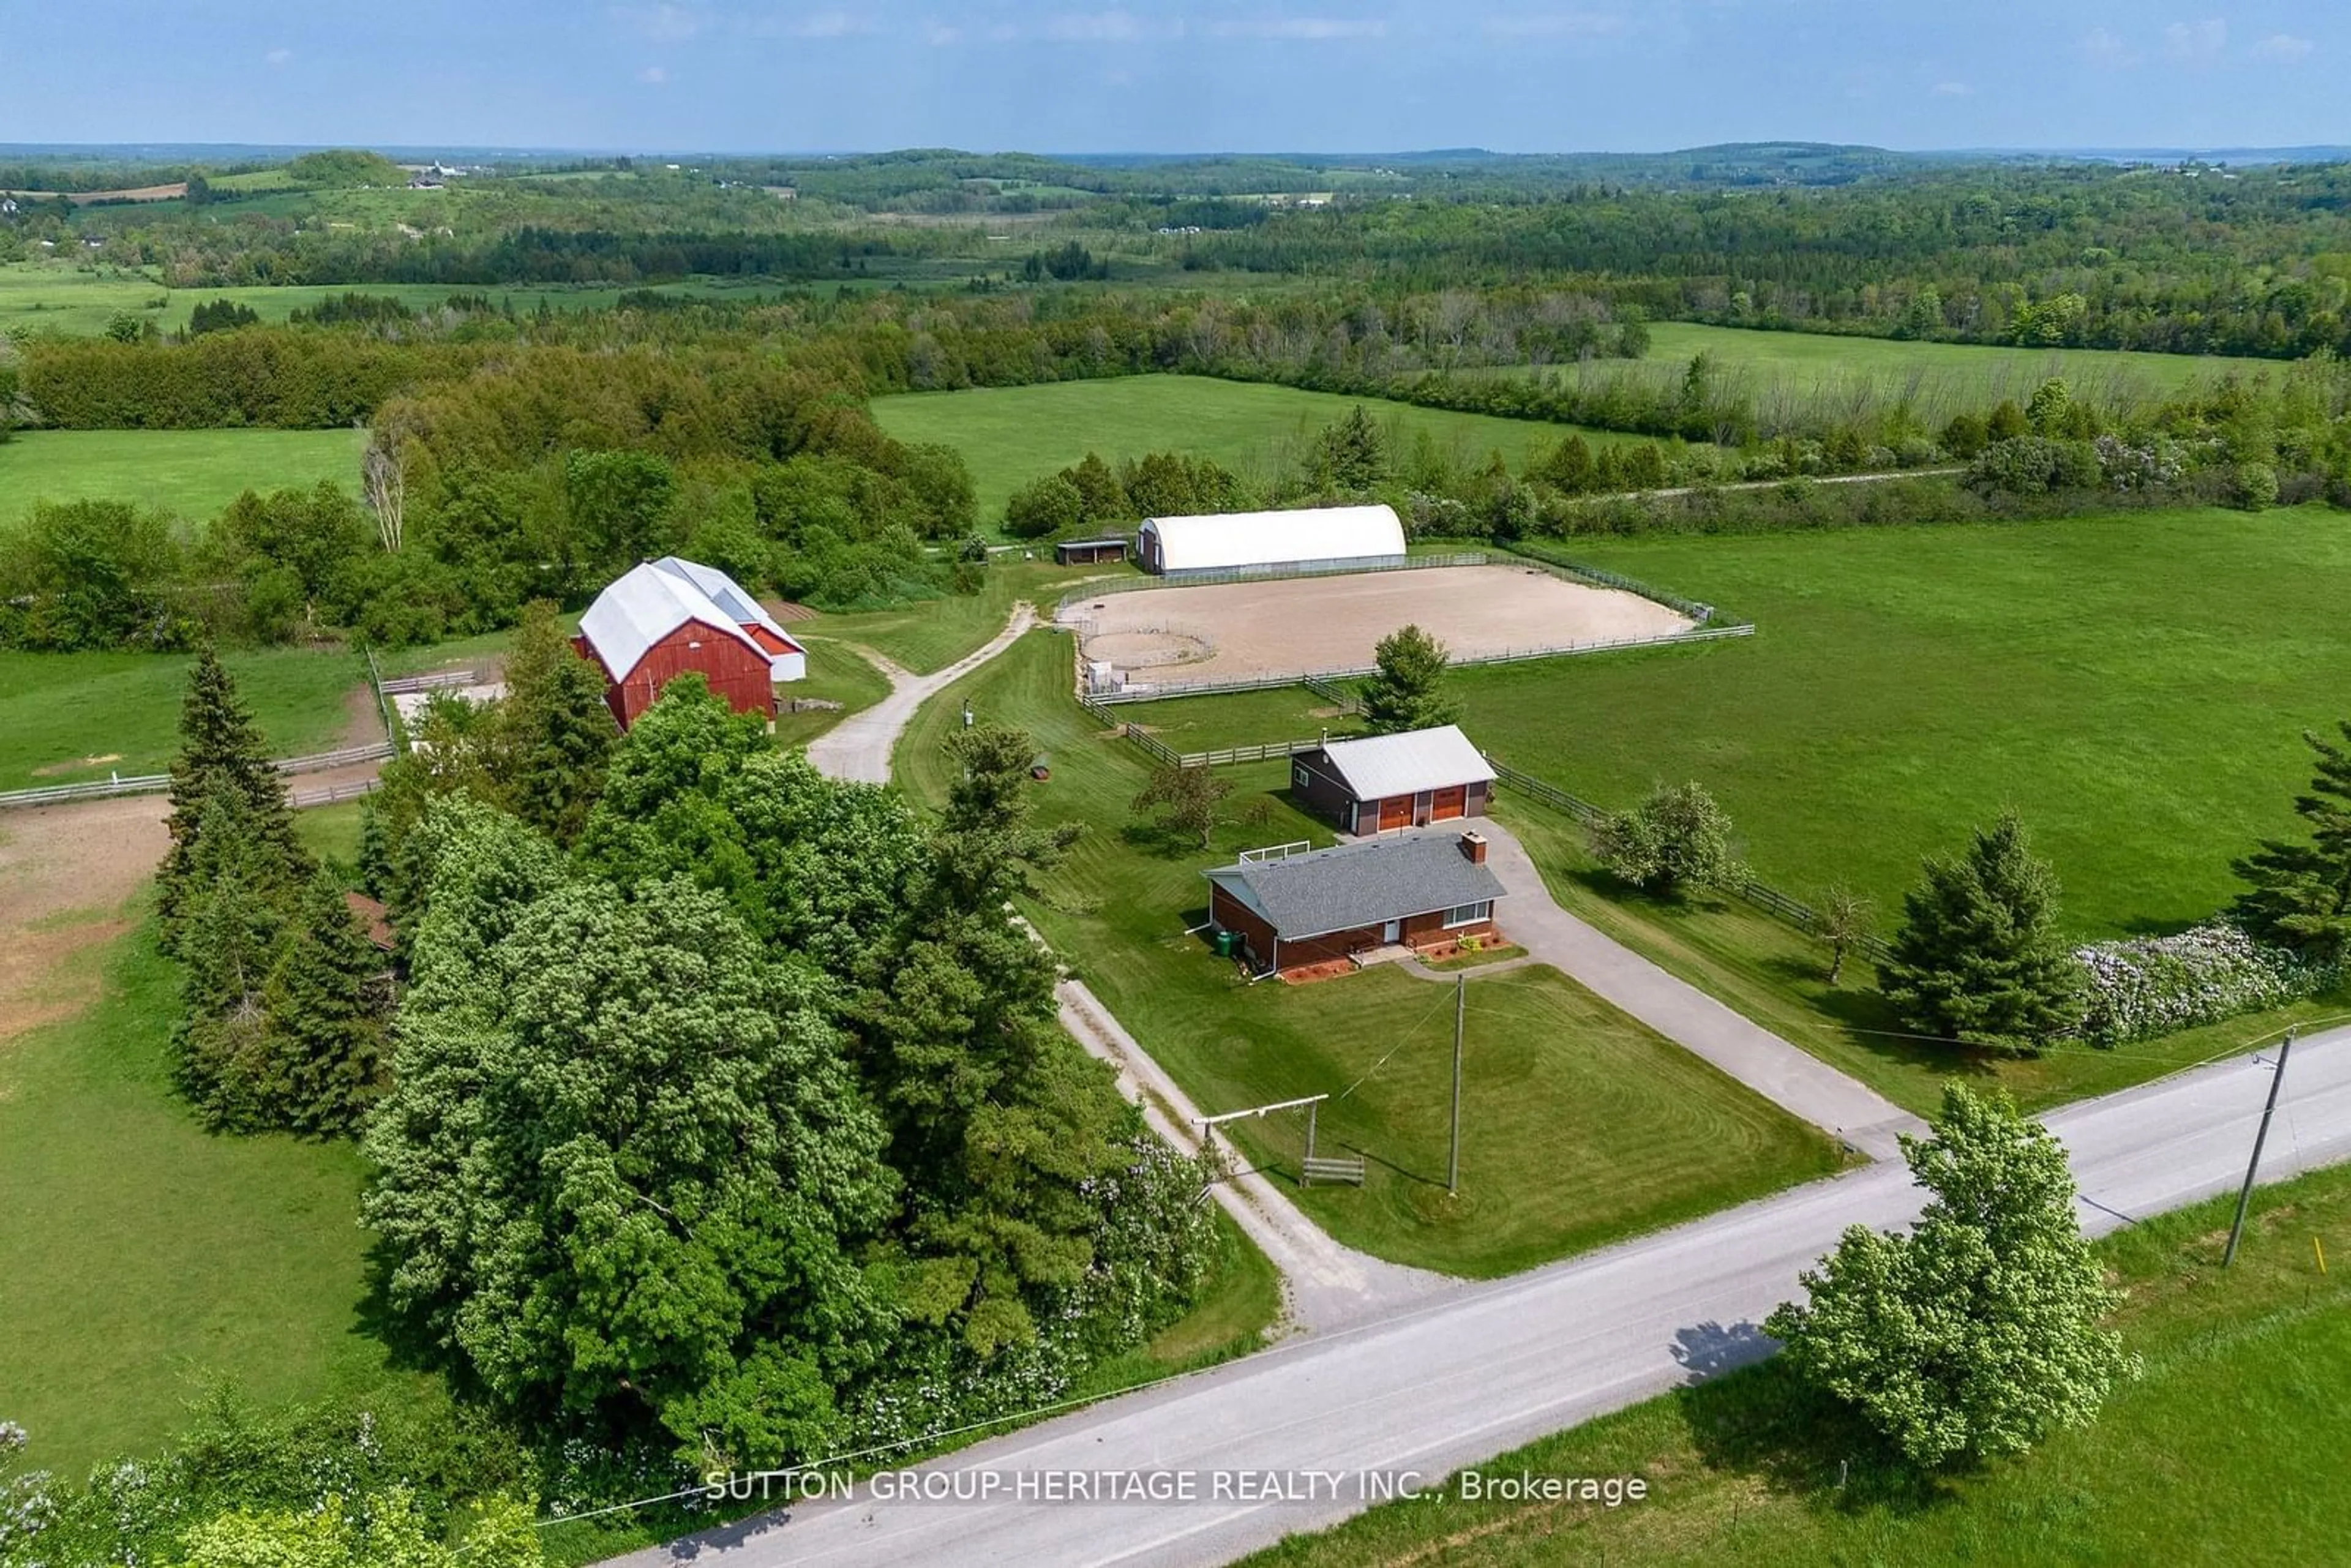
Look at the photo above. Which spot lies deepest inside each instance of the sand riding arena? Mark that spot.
(1227, 631)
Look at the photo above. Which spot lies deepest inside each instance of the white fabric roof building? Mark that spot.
(649, 602)
(1380, 766)
(1241, 541)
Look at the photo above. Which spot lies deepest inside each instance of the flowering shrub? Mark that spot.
(2153, 985)
(1150, 1250)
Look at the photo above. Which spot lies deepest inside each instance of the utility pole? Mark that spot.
(2245, 1196)
(1452, 1161)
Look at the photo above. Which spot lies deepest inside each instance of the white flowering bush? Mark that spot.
(2158, 985)
(1152, 1247)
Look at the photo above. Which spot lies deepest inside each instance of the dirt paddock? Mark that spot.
(1232, 630)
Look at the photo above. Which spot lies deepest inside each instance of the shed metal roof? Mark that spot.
(1380, 766)
(1229, 541)
(1358, 883)
(648, 603)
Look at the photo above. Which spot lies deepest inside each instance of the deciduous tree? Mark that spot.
(1186, 800)
(1676, 839)
(1978, 1333)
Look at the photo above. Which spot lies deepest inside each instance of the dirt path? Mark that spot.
(858, 749)
(69, 872)
(65, 875)
(1328, 1285)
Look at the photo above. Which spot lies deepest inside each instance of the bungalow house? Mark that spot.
(1384, 782)
(1292, 911)
(667, 617)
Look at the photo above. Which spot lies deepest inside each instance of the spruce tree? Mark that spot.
(325, 1014)
(555, 735)
(1408, 692)
(1980, 957)
(233, 923)
(2301, 892)
(221, 750)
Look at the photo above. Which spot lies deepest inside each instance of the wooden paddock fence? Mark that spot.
(1795, 912)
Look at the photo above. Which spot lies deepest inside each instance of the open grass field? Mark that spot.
(1010, 435)
(1580, 1126)
(143, 1261)
(192, 473)
(1786, 376)
(2229, 1450)
(2135, 685)
(57, 297)
(68, 718)
(1995, 372)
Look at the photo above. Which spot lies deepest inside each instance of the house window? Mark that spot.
(1298, 776)
(1470, 914)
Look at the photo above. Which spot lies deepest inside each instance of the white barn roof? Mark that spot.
(649, 602)
(1383, 765)
(1228, 540)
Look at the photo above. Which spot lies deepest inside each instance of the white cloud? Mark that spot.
(1313, 30)
(1554, 25)
(2282, 47)
(1098, 28)
(1951, 90)
(653, 76)
(2104, 47)
(2195, 41)
(828, 25)
(277, 57)
(663, 23)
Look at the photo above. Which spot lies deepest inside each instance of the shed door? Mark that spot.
(1395, 811)
(1450, 804)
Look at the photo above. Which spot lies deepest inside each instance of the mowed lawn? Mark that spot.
(192, 473)
(144, 1261)
(1580, 1126)
(68, 718)
(1009, 436)
(2228, 1451)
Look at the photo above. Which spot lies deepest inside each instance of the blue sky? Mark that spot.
(1185, 75)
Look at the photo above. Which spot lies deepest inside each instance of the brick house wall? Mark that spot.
(1427, 930)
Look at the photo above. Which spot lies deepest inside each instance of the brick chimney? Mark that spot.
(1473, 848)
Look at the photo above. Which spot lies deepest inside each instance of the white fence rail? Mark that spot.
(1154, 691)
(156, 783)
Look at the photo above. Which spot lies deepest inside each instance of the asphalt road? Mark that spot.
(1487, 1368)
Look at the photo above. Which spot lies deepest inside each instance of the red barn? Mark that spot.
(671, 617)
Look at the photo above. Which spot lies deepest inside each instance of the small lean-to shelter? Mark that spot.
(1335, 538)
(670, 617)
(1385, 781)
(1294, 912)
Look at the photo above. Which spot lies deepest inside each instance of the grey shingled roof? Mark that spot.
(1359, 885)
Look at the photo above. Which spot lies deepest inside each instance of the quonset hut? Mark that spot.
(1336, 537)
